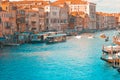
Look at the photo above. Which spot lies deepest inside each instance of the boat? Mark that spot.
(116, 63)
(40, 37)
(108, 59)
(56, 38)
(35, 38)
(2, 40)
(26, 36)
(90, 37)
(110, 53)
(108, 49)
(78, 37)
(102, 35)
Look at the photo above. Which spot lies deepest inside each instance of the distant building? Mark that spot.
(32, 20)
(81, 6)
(35, 19)
(52, 17)
(117, 16)
(7, 24)
(64, 10)
(105, 21)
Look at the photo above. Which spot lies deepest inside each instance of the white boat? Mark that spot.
(78, 37)
(91, 37)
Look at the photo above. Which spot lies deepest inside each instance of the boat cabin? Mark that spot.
(56, 38)
(110, 53)
(40, 37)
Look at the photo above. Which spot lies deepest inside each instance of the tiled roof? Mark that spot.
(104, 14)
(70, 1)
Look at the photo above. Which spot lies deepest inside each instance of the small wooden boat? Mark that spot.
(102, 35)
(56, 38)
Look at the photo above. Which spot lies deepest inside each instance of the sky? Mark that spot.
(111, 6)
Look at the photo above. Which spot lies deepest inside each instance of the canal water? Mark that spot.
(75, 59)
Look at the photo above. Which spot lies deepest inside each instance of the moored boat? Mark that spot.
(110, 53)
(2, 39)
(40, 37)
(56, 38)
(108, 49)
(116, 63)
(35, 38)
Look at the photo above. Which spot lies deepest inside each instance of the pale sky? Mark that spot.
(104, 5)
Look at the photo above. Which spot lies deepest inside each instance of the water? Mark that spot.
(76, 59)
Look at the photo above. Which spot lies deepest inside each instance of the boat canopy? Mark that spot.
(26, 33)
(57, 35)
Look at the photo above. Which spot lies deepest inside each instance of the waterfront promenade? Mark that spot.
(75, 59)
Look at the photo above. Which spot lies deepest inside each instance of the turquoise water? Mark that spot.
(76, 59)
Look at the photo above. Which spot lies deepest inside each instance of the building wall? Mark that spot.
(32, 21)
(64, 10)
(7, 25)
(106, 21)
(92, 15)
(52, 17)
(20, 20)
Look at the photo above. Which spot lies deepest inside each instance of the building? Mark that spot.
(105, 21)
(35, 20)
(32, 20)
(64, 10)
(81, 6)
(20, 20)
(7, 24)
(52, 17)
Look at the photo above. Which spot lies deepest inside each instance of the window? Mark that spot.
(22, 12)
(54, 13)
(7, 25)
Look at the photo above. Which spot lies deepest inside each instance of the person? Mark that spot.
(107, 39)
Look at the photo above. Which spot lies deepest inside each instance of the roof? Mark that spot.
(70, 2)
(57, 35)
(104, 14)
